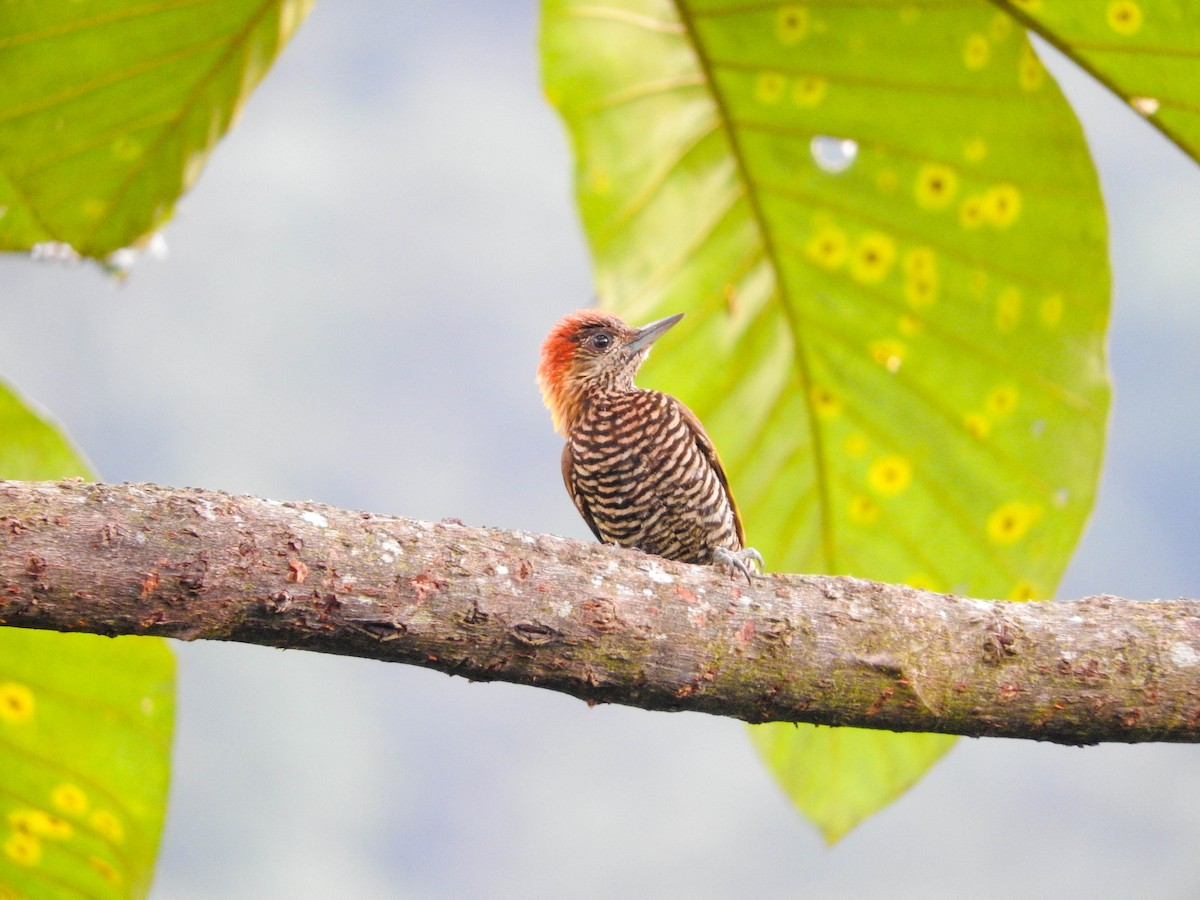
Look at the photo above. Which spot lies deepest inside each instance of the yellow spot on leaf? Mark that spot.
(935, 186)
(768, 87)
(16, 702)
(978, 426)
(1030, 71)
(873, 257)
(970, 212)
(51, 826)
(1024, 591)
(909, 14)
(975, 149)
(809, 90)
(887, 181)
(1051, 310)
(106, 870)
(23, 849)
(856, 444)
(889, 353)
(827, 247)
(39, 823)
(1008, 309)
(1000, 27)
(9, 893)
(890, 475)
(920, 261)
(1012, 521)
(976, 51)
(1002, 401)
(70, 799)
(910, 325)
(825, 401)
(791, 24)
(1002, 205)
(863, 510)
(108, 825)
(921, 290)
(1124, 17)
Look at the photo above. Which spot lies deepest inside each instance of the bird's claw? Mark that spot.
(743, 561)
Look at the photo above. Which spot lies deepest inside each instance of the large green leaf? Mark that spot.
(109, 109)
(1146, 51)
(837, 776)
(885, 227)
(85, 729)
(31, 447)
(85, 736)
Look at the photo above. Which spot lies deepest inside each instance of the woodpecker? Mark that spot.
(638, 464)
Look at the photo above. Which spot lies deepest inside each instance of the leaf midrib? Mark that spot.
(802, 368)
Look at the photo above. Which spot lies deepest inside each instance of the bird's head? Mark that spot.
(591, 350)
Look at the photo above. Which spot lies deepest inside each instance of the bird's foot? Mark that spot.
(744, 561)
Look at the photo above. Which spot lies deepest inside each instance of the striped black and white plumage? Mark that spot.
(638, 464)
(644, 474)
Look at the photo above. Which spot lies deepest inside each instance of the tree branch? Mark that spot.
(603, 624)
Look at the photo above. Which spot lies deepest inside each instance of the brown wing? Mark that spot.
(568, 473)
(704, 442)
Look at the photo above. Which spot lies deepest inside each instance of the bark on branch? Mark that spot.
(603, 624)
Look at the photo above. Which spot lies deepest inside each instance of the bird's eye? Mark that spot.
(600, 340)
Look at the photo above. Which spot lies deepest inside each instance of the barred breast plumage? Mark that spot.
(644, 474)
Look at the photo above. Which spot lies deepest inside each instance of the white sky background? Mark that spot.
(351, 312)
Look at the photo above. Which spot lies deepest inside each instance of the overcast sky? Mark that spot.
(350, 312)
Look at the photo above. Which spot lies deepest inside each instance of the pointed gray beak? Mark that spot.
(648, 334)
